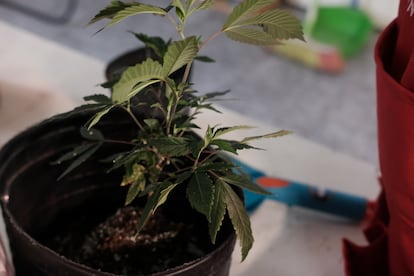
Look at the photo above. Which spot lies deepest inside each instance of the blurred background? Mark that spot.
(323, 90)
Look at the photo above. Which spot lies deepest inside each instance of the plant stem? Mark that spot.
(209, 39)
(128, 109)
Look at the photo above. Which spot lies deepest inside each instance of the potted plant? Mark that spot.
(141, 193)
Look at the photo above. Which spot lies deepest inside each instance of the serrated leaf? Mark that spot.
(99, 98)
(173, 146)
(244, 182)
(109, 11)
(218, 209)
(81, 159)
(196, 146)
(164, 194)
(135, 174)
(205, 5)
(280, 24)
(221, 131)
(245, 10)
(135, 78)
(156, 43)
(251, 35)
(230, 145)
(152, 123)
(215, 166)
(98, 116)
(200, 192)
(180, 53)
(269, 135)
(134, 190)
(239, 219)
(135, 9)
(179, 9)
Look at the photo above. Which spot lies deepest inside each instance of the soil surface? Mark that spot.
(113, 245)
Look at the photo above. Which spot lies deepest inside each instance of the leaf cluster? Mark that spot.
(166, 153)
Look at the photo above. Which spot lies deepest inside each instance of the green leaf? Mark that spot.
(205, 59)
(179, 9)
(172, 146)
(145, 73)
(164, 194)
(200, 192)
(230, 145)
(180, 53)
(109, 11)
(244, 10)
(218, 210)
(134, 173)
(99, 98)
(134, 189)
(135, 9)
(74, 153)
(205, 5)
(269, 135)
(150, 205)
(239, 219)
(156, 43)
(251, 35)
(98, 116)
(280, 24)
(81, 159)
(215, 166)
(244, 182)
(221, 131)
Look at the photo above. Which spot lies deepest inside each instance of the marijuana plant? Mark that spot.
(166, 153)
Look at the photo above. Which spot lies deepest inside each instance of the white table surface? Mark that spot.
(39, 78)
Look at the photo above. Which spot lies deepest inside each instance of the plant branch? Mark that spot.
(210, 38)
(128, 109)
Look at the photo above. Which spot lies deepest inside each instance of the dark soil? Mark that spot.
(113, 246)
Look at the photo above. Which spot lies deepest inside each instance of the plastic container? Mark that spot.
(346, 28)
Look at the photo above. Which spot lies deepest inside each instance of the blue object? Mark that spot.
(299, 194)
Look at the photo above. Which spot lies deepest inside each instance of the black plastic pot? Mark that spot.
(32, 199)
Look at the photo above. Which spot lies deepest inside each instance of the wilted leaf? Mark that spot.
(134, 189)
(135, 174)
